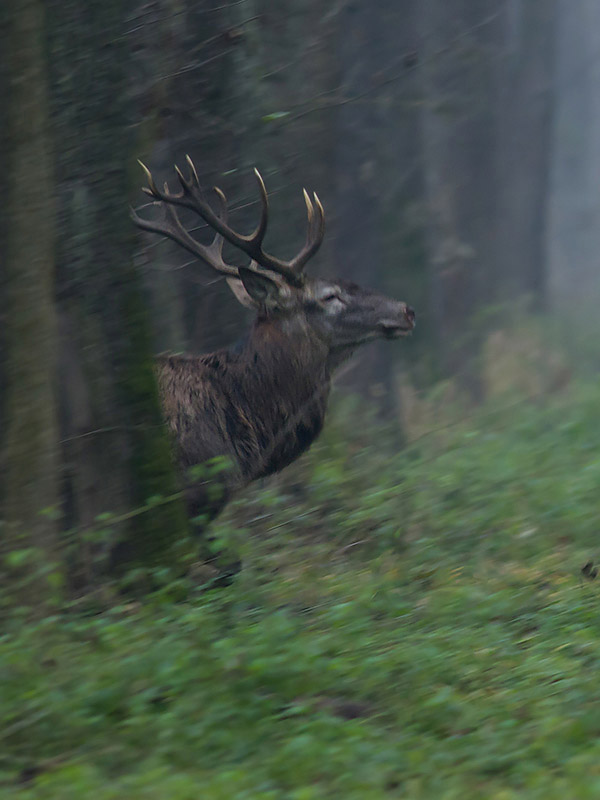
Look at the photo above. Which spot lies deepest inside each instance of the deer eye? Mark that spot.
(330, 297)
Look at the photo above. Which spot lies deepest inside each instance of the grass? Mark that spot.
(409, 624)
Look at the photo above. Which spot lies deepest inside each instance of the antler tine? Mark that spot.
(310, 211)
(193, 170)
(314, 233)
(187, 185)
(152, 190)
(261, 228)
(223, 209)
(224, 215)
(216, 246)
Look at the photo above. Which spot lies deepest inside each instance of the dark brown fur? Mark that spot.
(260, 405)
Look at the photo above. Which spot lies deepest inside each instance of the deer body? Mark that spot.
(262, 403)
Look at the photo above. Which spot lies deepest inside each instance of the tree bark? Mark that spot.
(459, 139)
(358, 218)
(573, 237)
(31, 445)
(525, 123)
(116, 451)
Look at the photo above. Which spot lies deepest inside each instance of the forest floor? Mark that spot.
(410, 624)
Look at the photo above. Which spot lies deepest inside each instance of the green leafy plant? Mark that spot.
(406, 624)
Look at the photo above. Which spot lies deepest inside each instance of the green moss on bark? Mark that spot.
(111, 388)
(31, 474)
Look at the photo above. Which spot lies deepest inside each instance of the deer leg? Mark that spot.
(204, 502)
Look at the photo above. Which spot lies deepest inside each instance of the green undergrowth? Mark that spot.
(409, 623)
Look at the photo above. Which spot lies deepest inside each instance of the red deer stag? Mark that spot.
(261, 403)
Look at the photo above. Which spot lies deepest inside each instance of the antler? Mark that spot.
(192, 197)
(173, 229)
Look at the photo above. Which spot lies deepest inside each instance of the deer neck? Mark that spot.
(287, 376)
(290, 359)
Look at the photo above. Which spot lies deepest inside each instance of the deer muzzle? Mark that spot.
(394, 328)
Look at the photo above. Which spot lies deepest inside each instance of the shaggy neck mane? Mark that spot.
(261, 403)
(286, 380)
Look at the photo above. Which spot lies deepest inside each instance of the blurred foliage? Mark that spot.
(406, 624)
(417, 622)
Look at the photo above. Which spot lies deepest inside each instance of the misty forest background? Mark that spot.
(455, 145)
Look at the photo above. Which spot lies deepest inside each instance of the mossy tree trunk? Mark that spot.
(117, 453)
(31, 482)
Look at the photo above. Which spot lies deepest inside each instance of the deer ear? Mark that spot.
(261, 290)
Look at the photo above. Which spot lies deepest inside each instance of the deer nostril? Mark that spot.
(409, 313)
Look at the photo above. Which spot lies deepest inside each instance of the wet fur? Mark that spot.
(260, 404)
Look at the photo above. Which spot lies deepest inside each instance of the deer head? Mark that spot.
(340, 314)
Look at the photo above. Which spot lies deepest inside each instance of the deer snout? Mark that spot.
(401, 325)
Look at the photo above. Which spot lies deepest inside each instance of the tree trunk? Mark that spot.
(116, 452)
(525, 120)
(458, 129)
(31, 445)
(574, 228)
(358, 215)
